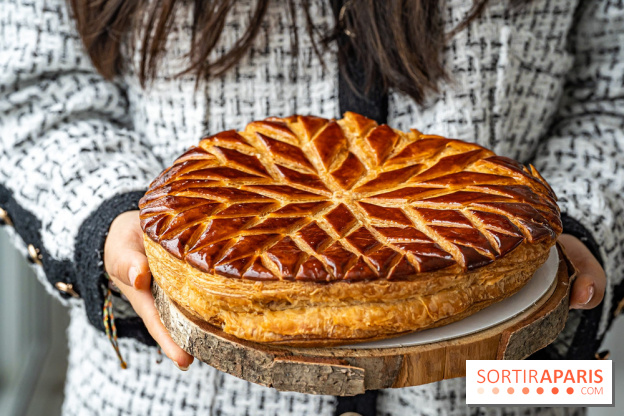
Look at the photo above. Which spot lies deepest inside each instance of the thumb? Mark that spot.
(589, 286)
(124, 253)
(131, 268)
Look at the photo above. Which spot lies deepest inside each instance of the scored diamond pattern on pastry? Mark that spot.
(311, 199)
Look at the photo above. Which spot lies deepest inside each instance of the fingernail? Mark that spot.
(180, 367)
(590, 291)
(133, 274)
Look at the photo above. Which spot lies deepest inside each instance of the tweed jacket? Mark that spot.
(543, 84)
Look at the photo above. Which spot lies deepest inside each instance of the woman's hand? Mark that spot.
(126, 264)
(589, 286)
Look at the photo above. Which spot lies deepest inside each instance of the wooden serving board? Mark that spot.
(350, 371)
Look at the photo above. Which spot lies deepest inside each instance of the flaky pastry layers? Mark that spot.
(307, 231)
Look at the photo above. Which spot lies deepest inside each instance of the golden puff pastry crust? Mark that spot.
(307, 231)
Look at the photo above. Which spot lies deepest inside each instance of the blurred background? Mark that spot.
(33, 350)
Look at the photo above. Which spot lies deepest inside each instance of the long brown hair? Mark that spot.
(396, 41)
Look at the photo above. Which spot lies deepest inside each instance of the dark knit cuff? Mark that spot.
(574, 227)
(586, 341)
(583, 324)
(28, 227)
(89, 263)
(363, 404)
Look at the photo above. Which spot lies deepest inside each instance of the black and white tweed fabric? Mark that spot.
(543, 84)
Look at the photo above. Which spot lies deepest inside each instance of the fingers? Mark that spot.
(126, 263)
(589, 286)
(143, 303)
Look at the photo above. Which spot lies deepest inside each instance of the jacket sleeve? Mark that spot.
(70, 161)
(583, 155)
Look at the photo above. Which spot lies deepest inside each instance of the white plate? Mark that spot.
(486, 318)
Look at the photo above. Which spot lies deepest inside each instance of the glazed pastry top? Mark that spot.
(307, 198)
